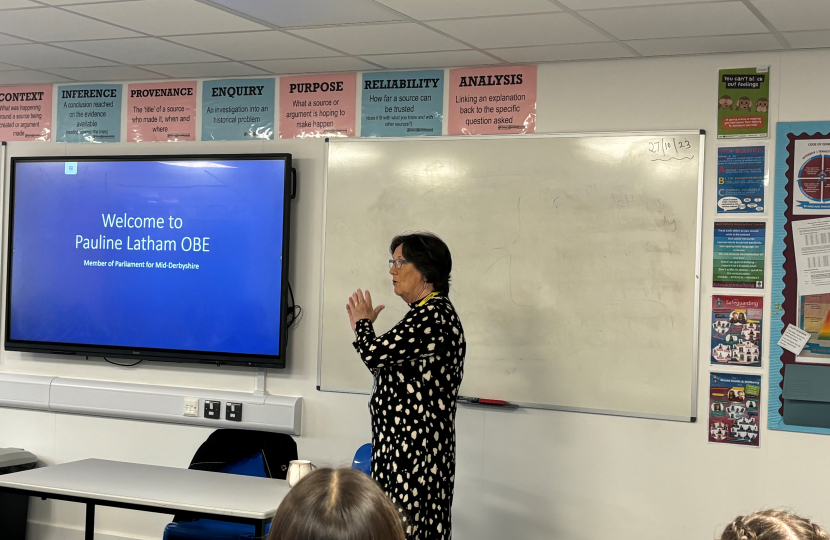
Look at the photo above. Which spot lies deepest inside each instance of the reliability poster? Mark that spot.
(493, 100)
(734, 406)
(741, 179)
(739, 255)
(89, 113)
(26, 113)
(402, 104)
(161, 112)
(318, 106)
(238, 109)
(736, 330)
(743, 103)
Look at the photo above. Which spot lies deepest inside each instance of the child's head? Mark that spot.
(336, 504)
(773, 525)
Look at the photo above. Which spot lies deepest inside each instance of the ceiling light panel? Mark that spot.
(52, 24)
(381, 38)
(269, 45)
(293, 13)
(446, 9)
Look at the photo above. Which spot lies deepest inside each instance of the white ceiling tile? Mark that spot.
(8, 40)
(167, 17)
(270, 45)
(114, 73)
(8, 67)
(381, 39)
(38, 56)
(814, 39)
(558, 53)
(796, 14)
(26, 76)
(704, 45)
(600, 4)
(206, 69)
(518, 31)
(52, 24)
(15, 4)
(146, 50)
(288, 13)
(432, 59)
(67, 2)
(313, 65)
(725, 18)
(446, 9)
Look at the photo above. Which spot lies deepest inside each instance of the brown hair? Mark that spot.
(773, 525)
(337, 504)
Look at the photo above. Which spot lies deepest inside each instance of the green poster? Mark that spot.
(743, 103)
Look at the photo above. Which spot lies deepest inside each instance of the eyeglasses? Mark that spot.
(397, 263)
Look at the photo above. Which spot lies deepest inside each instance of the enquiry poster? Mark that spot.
(26, 113)
(492, 100)
(402, 104)
(318, 105)
(162, 112)
(734, 408)
(89, 113)
(741, 179)
(738, 258)
(743, 103)
(736, 333)
(238, 109)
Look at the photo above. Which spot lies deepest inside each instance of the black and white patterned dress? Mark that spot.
(417, 366)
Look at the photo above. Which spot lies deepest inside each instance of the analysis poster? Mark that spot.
(741, 179)
(734, 405)
(89, 113)
(743, 103)
(26, 113)
(402, 104)
(161, 112)
(737, 330)
(238, 109)
(318, 105)
(739, 254)
(492, 100)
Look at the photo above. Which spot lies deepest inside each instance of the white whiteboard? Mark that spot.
(575, 261)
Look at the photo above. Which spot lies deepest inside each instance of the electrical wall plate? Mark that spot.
(191, 406)
(233, 412)
(212, 409)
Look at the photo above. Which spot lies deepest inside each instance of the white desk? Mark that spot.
(165, 490)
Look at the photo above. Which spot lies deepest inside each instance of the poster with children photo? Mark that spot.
(743, 102)
(737, 330)
(734, 408)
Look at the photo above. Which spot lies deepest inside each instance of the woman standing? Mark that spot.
(417, 367)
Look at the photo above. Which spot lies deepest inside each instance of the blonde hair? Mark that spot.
(773, 525)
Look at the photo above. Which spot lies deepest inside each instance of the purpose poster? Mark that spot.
(318, 106)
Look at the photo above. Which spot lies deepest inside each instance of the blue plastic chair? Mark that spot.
(363, 459)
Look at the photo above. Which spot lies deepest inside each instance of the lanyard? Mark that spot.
(428, 297)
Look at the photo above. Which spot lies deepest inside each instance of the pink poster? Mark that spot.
(26, 113)
(492, 100)
(161, 112)
(317, 105)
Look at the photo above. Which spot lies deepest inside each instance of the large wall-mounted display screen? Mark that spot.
(160, 257)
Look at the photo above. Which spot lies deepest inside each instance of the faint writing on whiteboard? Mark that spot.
(666, 148)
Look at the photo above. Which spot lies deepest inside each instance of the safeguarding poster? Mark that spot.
(89, 113)
(402, 104)
(26, 113)
(741, 179)
(737, 330)
(739, 255)
(238, 109)
(162, 112)
(493, 100)
(318, 105)
(734, 405)
(811, 165)
(743, 103)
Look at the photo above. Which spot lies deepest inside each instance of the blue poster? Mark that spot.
(238, 109)
(741, 179)
(89, 113)
(402, 104)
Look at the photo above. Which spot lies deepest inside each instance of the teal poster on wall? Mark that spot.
(402, 104)
(238, 109)
(89, 114)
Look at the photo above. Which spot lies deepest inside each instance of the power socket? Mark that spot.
(191, 406)
(212, 409)
(233, 412)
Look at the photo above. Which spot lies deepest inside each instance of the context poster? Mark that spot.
(26, 113)
(739, 249)
(318, 105)
(736, 333)
(741, 179)
(402, 104)
(161, 112)
(743, 103)
(238, 109)
(492, 100)
(734, 406)
(89, 113)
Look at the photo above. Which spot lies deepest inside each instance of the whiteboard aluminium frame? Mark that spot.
(692, 417)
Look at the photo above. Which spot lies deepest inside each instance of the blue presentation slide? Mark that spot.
(183, 255)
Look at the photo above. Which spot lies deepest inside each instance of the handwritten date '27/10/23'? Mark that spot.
(665, 148)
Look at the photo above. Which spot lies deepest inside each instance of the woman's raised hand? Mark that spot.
(360, 307)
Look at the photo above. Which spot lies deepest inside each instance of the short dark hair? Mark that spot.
(337, 504)
(429, 254)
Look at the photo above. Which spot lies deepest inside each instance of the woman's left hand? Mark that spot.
(360, 307)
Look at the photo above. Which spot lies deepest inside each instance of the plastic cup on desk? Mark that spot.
(297, 469)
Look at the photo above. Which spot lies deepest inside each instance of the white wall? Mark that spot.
(523, 474)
